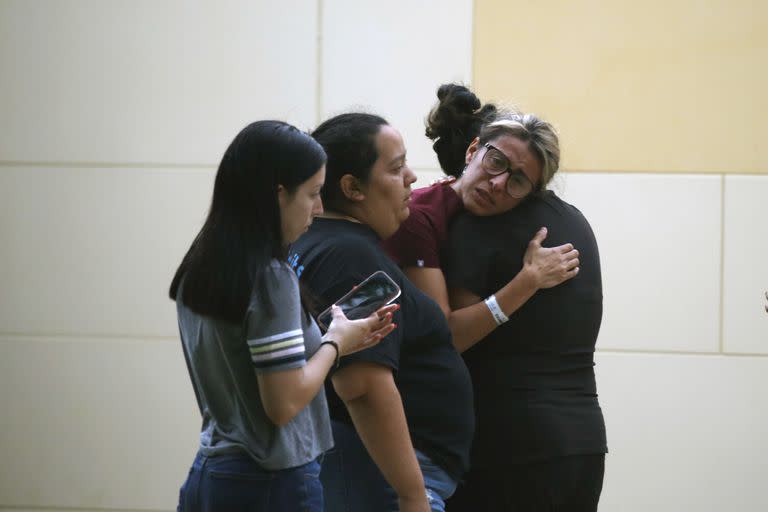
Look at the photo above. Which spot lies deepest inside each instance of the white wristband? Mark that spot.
(495, 310)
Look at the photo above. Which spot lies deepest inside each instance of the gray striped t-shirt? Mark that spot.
(223, 362)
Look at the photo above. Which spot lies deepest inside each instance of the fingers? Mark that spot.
(539, 237)
(336, 312)
(390, 308)
(446, 180)
(571, 260)
(566, 248)
(381, 333)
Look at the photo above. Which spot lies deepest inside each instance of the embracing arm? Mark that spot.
(471, 321)
(373, 401)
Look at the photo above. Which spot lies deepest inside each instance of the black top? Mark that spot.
(534, 381)
(431, 376)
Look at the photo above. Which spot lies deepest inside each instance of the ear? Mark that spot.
(471, 150)
(350, 187)
(282, 196)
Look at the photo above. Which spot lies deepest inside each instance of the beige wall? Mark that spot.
(662, 111)
(114, 115)
(654, 86)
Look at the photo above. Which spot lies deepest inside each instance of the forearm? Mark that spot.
(285, 393)
(471, 323)
(380, 421)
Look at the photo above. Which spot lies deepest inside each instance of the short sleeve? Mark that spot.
(415, 243)
(276, 341)
(342, 267)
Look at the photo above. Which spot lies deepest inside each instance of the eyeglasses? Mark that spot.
(496, 163)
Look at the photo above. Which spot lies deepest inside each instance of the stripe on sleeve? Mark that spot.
(278, 349)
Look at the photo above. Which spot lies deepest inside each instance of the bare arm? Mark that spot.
(542, 268)
(285, 393)
(373, 401)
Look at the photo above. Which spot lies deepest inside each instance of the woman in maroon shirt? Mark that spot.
(498, 158)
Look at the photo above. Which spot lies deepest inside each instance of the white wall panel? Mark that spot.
(100, 423)
(389, 58)
(745, 273)
(684, 432)
(659, 239)
(92, 251)
(150, 81)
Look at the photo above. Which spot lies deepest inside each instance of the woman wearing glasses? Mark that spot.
(540, 438)
(511, 157)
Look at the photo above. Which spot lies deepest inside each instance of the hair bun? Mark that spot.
(454, 122)
(458, 95)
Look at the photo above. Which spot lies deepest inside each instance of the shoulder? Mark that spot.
(353, 248)
(279, 273)
(282, 285)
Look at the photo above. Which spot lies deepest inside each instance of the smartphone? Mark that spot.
(376, 291)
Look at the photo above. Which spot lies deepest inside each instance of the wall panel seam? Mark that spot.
(11, 337)
(721, 311)
(319, 56)
(105, 165)
(677, 353)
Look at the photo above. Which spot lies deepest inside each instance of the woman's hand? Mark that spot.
(550, 266)
(356, 335)
(445, 180)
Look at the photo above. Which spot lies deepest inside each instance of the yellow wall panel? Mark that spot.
(656, 86)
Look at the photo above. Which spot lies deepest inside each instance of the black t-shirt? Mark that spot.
(535, 393)
(431, 376)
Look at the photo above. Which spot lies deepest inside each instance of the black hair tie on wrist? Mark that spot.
(336, 348)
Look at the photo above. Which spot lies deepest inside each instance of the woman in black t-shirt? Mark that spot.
(540, 440)
(402, 411)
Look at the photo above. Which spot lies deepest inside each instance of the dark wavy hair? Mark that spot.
(460, 116)
(454, 123)
(230, 258)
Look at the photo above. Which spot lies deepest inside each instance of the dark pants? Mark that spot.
(236, 482)
(565, 484)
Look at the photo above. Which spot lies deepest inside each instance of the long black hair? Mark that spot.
(230, 257)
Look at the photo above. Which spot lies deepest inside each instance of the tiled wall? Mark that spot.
(644, 95)
(113, 118)
(682, 362)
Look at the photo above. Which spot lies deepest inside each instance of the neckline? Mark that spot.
(337, 216)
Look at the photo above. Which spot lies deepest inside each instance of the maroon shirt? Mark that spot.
(424, 234)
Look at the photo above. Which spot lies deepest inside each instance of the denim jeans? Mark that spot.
(237, 482)
(353, 483)
(440, 486)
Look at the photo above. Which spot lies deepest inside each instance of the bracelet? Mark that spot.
(336, 348)
(495, 310)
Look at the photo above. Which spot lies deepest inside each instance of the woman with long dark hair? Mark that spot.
(256, 359)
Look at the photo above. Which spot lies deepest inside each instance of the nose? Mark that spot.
(499, 183)
(409, 177)
(318, 209)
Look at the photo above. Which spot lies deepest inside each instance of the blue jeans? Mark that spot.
(440, 486)
(237, 482)
(353, 483)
